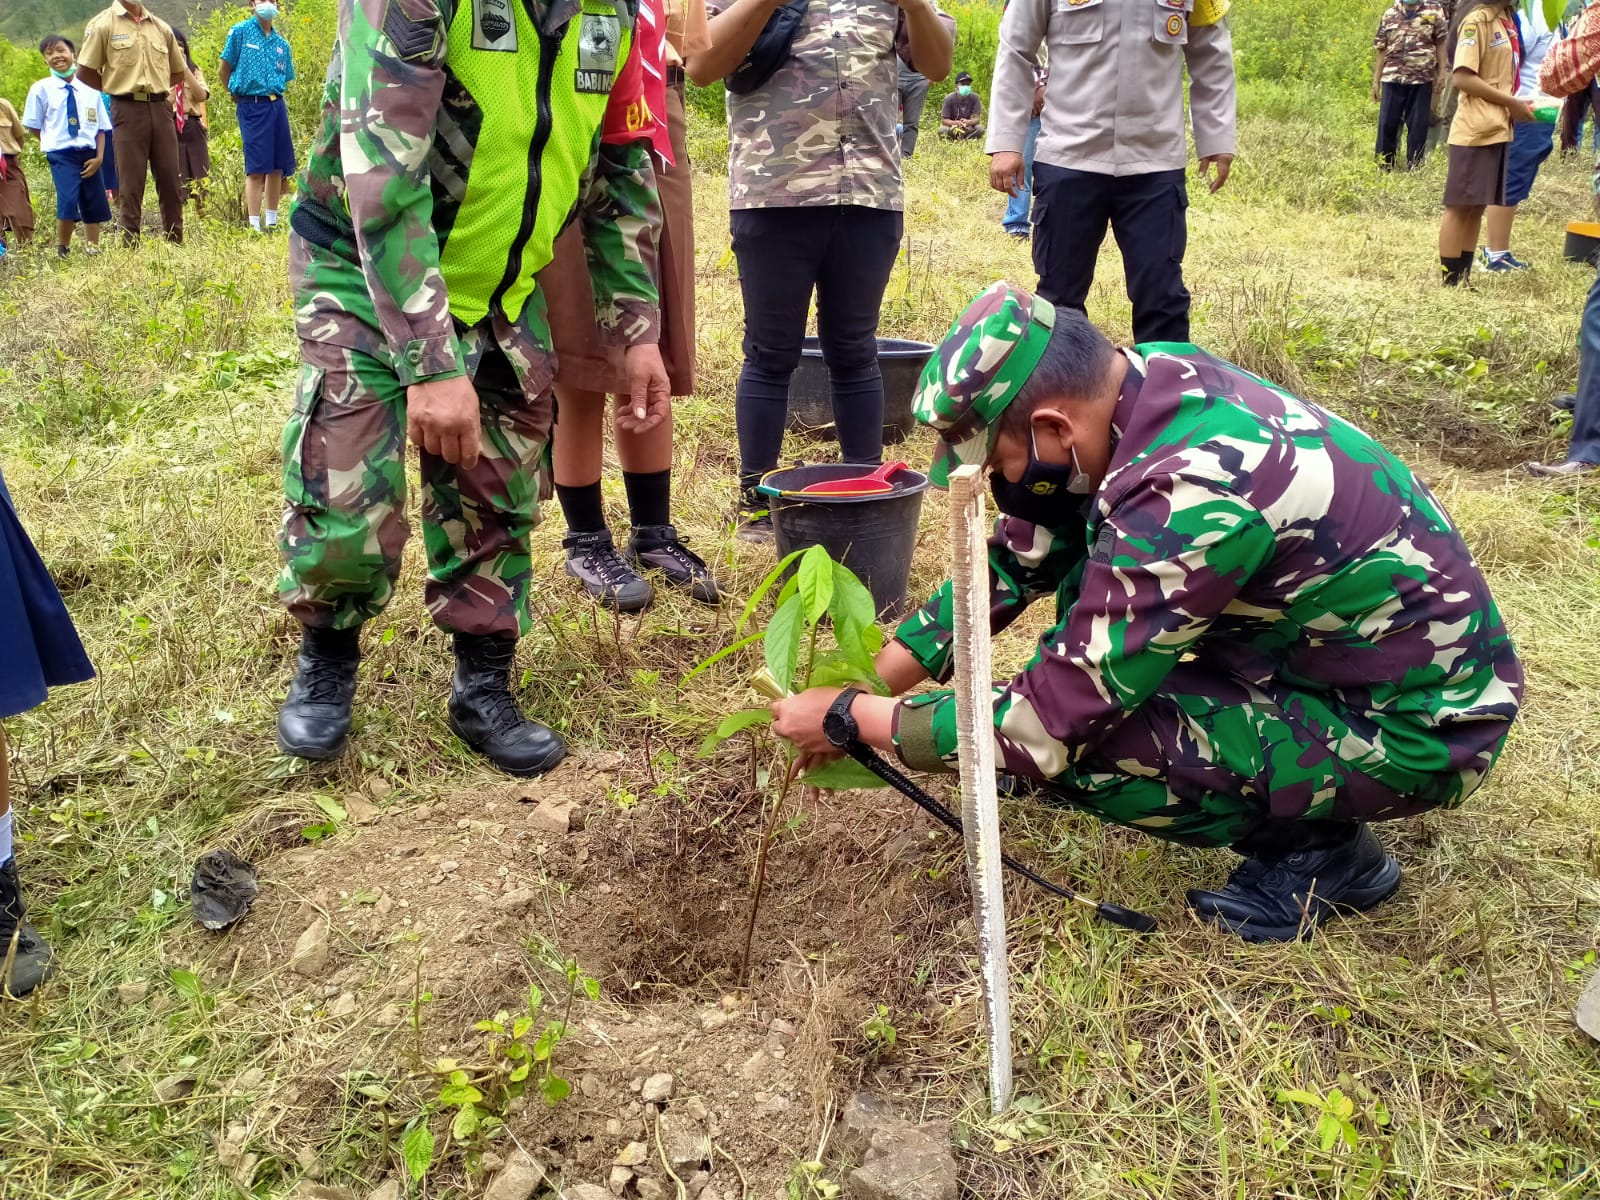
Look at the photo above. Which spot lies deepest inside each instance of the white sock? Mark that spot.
(272, 217)
(5, 837)
(255, 222)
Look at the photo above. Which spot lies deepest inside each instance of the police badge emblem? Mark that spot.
(492, 22)
(599, 38)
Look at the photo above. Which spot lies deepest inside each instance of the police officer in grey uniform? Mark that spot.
(1112, 148)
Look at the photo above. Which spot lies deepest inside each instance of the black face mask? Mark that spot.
(1049, 494)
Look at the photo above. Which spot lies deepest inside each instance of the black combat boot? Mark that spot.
(34, 961)
(315, 718)
(485, 716)
(659, 548)
(1295, 876)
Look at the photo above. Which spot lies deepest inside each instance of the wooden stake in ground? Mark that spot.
(980, 812)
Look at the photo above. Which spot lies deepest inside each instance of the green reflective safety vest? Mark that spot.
(541, 99)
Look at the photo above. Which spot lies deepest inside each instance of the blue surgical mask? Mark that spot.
(267, 12)
(67, 74)
(1041, 495)
(965, 89)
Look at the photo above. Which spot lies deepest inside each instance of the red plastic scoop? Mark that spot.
(858, 485)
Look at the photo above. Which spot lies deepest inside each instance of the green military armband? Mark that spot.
(914, 737)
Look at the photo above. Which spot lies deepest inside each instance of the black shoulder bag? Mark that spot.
(771, 50)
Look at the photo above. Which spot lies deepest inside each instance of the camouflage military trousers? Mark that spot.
(1213, 760)
(344, 477)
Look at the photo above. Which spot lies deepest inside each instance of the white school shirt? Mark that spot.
(45, 112)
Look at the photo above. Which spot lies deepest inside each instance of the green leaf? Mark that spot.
(518, 1074)
(188, 985)
(723, 653)
(783, 641)
(457, 1094)
(465, 1124)
(535, 998)
(1328, 1128)
(417, 1151)
(734, 723)
(520, 1027)
(591, 988)
(855, 619)
(1554, 10)
(332, 807)
(554, 1089)
(1294, 1095)
(834, 668)
(842, 774)
(763, 588)
(816, 583)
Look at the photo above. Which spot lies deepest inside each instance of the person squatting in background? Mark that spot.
(66, 115)
(589, 366)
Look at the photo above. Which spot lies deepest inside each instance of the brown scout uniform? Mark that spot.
(16, 205)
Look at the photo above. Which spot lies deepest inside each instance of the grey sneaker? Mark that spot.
(659, 548)
(1562, 470)
(33, 961)
(593, 560)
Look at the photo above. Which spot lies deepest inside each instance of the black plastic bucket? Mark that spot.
(874, 536)
(811, 388)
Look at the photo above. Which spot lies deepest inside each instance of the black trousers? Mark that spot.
(845, 254)
(1407, 105)
(1147, 215)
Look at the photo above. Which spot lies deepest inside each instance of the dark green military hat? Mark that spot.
(977, 370)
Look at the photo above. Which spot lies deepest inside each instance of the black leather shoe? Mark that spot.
(1281, 897)
(485, 716)
(1566, 402)
(659, 548)
(314, 721)
(34, 961)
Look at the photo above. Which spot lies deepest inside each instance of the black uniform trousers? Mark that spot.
(1147, 215)
(1408, 105)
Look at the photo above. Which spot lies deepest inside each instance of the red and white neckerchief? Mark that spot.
(178, 106)
(638, 107)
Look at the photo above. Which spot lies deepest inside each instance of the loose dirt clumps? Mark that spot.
(393, 938)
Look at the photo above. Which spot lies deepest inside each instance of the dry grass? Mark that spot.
(140, 442)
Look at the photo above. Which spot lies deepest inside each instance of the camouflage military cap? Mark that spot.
(977, 370)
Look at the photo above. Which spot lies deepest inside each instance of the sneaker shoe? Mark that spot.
(753, 519)
(1022, 235)
(1503, 262)
(92, 250)
(1284, 897)
(659, 548)
(593, 560)
(1562, 470)
(1566, 402)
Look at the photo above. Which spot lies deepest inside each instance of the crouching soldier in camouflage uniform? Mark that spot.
(458, 135)
(1268, 633)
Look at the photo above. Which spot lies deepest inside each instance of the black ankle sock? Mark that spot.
(1456, 269)
(649, 497)
(582, 507)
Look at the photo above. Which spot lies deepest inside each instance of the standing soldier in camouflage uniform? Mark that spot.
(457, 138)
(1268, 633)
(817, 197)
(1410, 71)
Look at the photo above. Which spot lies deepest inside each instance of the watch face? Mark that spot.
(837, 728)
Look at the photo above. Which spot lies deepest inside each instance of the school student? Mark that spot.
(65, 114)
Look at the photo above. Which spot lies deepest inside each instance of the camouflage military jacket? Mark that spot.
(1410, 43)
(423, 217)
(821, 130)
(1276, 544)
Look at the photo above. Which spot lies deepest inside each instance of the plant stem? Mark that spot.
(761, 870)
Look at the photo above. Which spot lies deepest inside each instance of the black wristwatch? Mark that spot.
(839, 726)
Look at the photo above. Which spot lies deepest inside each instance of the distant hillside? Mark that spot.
(26, 21)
